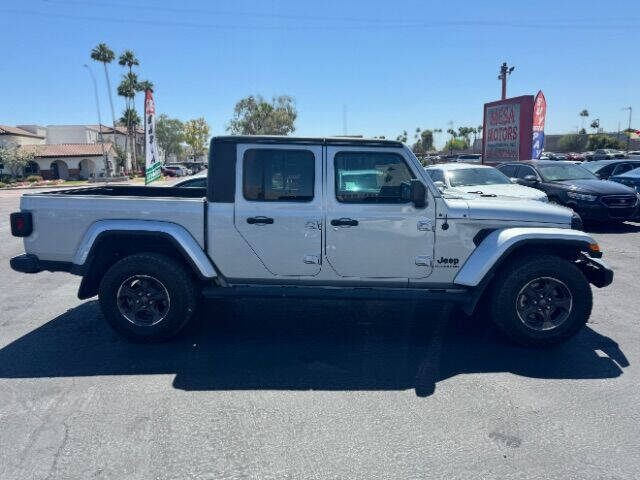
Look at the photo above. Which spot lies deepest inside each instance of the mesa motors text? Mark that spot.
(502, 124)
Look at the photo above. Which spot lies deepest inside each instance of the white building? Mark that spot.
(70, 161)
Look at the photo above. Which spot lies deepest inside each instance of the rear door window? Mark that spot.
(278, 175)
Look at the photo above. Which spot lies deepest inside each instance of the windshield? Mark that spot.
(468, 177)
(593, 167)
(569, 171)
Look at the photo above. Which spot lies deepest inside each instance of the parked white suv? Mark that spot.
(324, 218)
(482, 180)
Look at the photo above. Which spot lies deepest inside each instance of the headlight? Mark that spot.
(582, 196)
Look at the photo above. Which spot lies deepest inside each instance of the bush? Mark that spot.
(2, 185)
(603, 141)
(34, 178)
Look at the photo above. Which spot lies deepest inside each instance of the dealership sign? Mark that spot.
(507, 132)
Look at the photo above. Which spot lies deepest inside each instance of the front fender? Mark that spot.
(498, 244)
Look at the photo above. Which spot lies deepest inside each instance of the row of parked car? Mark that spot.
(591, 156)
(182, 169)
(604, 191)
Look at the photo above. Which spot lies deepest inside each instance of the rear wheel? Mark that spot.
(148, 297)
(541, 300)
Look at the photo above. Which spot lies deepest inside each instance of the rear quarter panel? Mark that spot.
(60, 222)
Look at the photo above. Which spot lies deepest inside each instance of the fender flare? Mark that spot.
(177, 234)
(500, 243)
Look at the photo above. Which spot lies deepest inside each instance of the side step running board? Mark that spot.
(338, 293)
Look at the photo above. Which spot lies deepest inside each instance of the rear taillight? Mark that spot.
(21, 224)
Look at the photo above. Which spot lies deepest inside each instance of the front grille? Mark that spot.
(619, 201)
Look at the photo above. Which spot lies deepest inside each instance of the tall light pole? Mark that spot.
(95, 91)
(629, 131)
(505, 70)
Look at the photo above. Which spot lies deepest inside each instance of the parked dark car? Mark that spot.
(630, 179)
(604, 169)
(573, 186)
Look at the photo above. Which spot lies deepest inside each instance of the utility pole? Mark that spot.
(629, 131)
(95, 91)
(505, 70)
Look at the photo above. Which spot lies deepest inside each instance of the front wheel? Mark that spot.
(147, 297)
(541, 300)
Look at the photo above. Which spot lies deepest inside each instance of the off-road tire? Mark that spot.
(175, 278)
(517, 273)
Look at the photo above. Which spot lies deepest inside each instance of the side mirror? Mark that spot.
(513, 180)
(418, 194)
(440, 184)
(530, 179)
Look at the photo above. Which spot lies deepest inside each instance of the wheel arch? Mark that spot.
(505, 245)
(107, 242)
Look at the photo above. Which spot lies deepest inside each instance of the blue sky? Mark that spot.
(394, 64)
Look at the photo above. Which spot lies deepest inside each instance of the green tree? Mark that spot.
(572, 143)
(130, 86)
(130, 117)
(127, 89)
(103, 54)
(424, 143)
(15, 159)
(403, 137)
(255, 116)
(583, 115)
(595, 125)
(121, 157)
(457, 144)
(196, 134)
(170, 135)
(603, 141)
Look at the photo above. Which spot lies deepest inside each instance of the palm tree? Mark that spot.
(143, 86)
(584, 114)
(128, 59)
(127, 89)
(103, 54)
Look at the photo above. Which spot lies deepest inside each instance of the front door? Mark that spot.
(278, 206)
(371, 231)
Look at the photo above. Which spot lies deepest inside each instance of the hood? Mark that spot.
(517, 210)
(599, 187)
(507, 190)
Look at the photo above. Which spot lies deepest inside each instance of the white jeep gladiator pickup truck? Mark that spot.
(312, 217)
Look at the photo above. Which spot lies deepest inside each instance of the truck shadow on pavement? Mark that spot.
(301, 345)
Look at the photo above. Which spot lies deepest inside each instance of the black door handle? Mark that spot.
(260, 220)
(339, 222)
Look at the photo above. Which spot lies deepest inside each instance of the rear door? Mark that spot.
(278, 205)
(371, 232)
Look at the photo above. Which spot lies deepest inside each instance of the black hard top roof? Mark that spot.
(274, 139)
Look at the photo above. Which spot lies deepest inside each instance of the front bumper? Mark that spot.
(599, 212)
(597, 272)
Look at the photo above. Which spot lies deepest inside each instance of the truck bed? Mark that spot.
(62, 217)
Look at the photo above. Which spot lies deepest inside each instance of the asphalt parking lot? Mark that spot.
(302, 389)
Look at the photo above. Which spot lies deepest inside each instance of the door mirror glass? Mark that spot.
(530, 179)
(418, 194)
